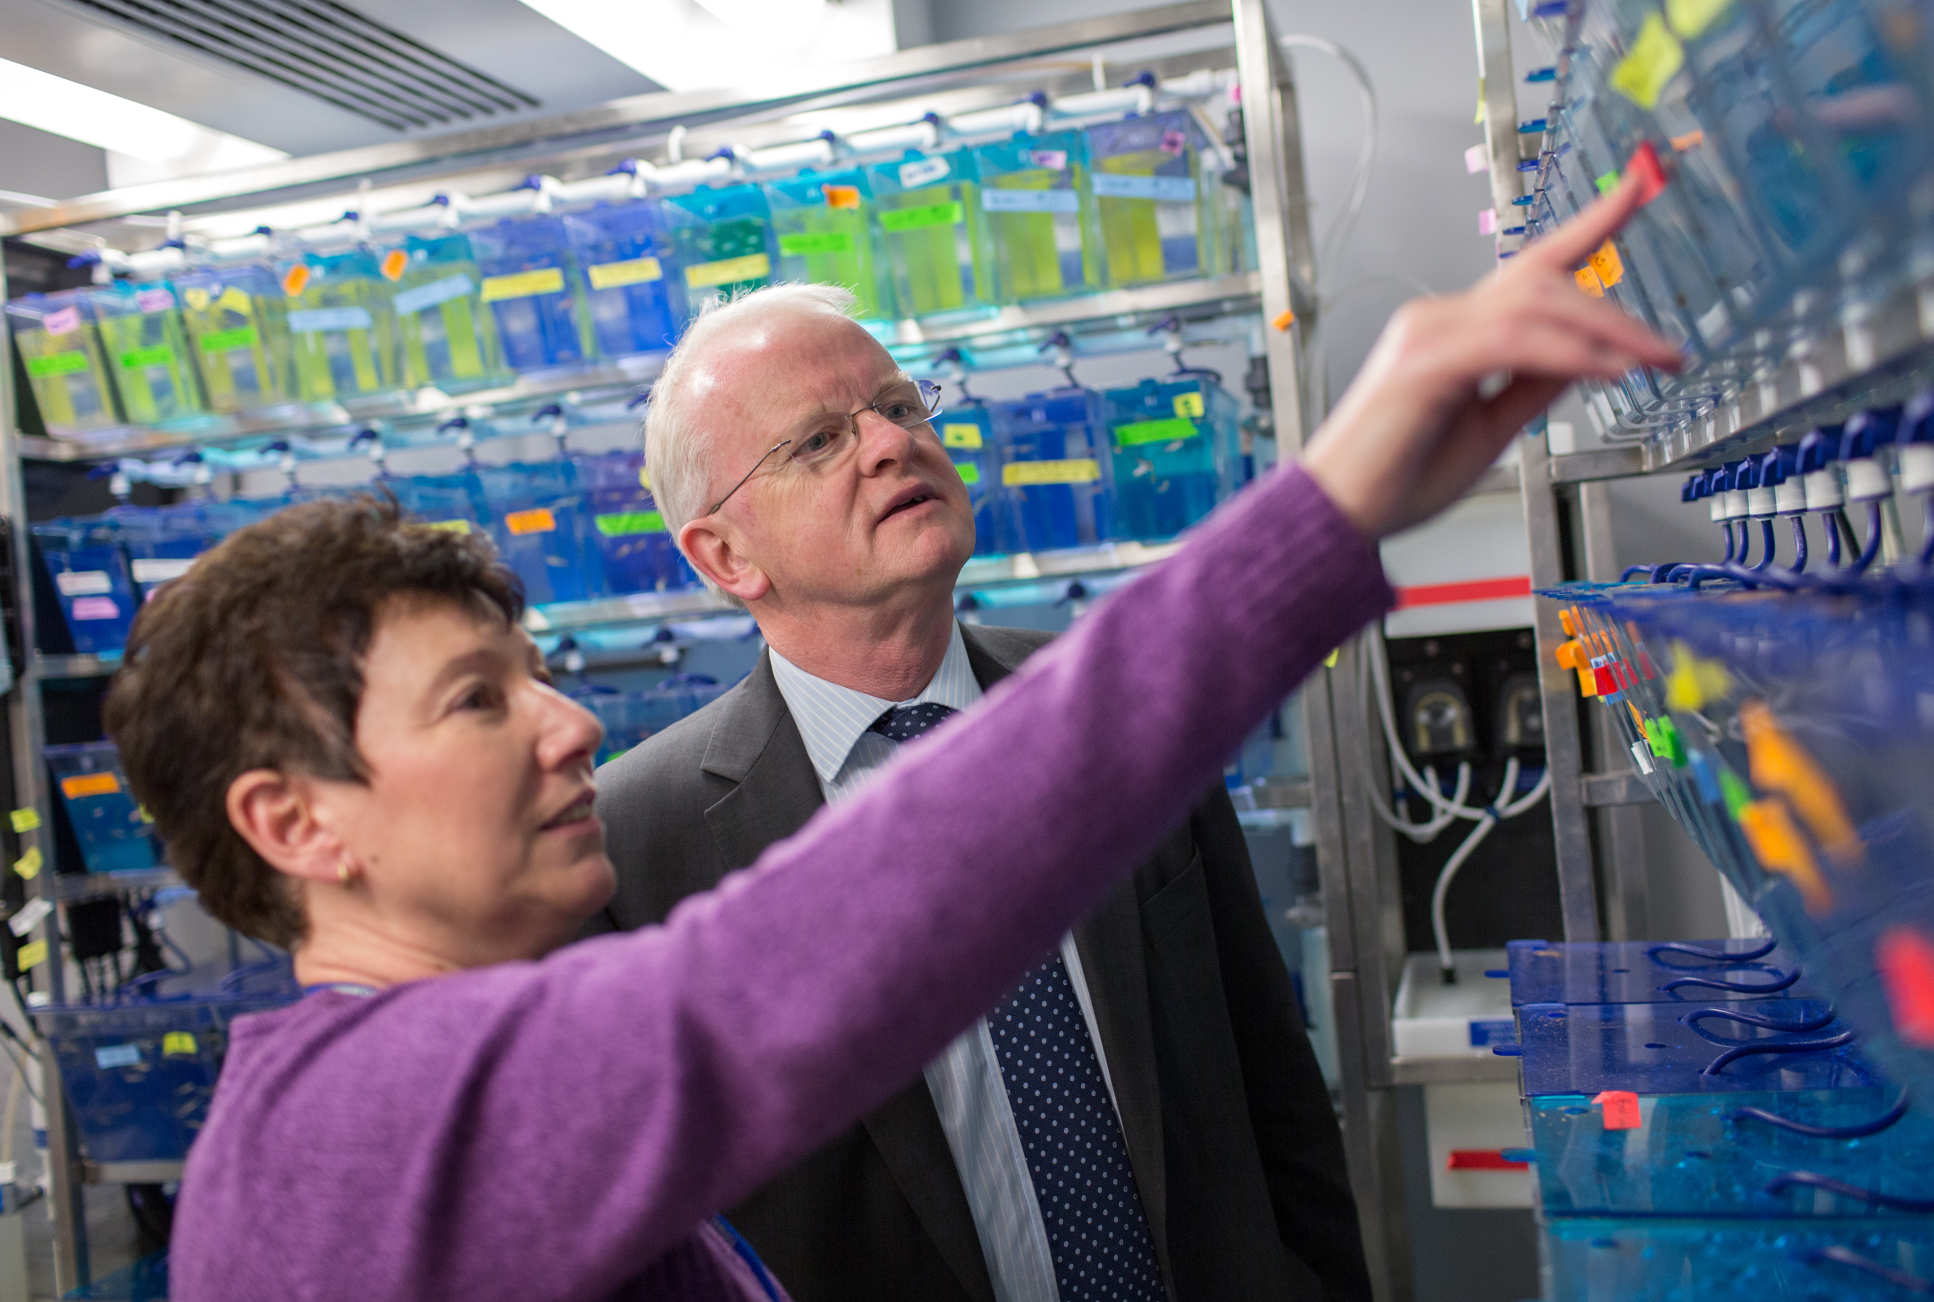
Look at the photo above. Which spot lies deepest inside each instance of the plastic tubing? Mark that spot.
(1722, 956)
(1872, 1197)
(1784, 981)
(1852, 1130)
(1745, 1018)
(1733, 1055)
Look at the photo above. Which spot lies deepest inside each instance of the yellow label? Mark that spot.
(1023, 474)
(141, 812)
(613, 275)
(644, 477)
(395, 263)
(177, 1044)
(24, 820)
(1189, 405)
(753, 266)
(536, 520)
(447, 526)
(295, 279)
(1588, 281)
(1653, 59)
(31, 955)
(236, 301)
(89, 784)
(1689, 19)
(1329, 661)
(196, 299)
(1607, 264)
(524, 284)
(29, 864)
(960, 436)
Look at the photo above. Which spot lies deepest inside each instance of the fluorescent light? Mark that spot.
(94, 117)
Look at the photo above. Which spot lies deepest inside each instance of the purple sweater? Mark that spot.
(564, 1128)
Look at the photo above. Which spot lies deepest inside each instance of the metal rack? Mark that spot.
(960, 74)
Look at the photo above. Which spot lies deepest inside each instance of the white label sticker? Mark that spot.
(30, 915)
(1054, 160)
(64, 322)
(83, 583)
(1166, 189)
(924, 171)
(1029, 200)
(154, 300)
(437, 291)
(160, 569)
(110, 1056)
(316, 320)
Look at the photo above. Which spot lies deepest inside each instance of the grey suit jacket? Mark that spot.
(1228, 1123)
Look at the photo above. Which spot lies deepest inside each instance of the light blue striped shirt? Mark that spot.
(966, 1078)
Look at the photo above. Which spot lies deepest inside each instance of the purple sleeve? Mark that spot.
(602, 1102)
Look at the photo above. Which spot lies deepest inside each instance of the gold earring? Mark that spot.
(344, 872)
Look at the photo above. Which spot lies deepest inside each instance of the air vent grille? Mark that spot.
(330, 51)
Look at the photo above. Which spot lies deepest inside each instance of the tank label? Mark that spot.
(754, 266)
(632, 271)
(1063, 201)
(524, 284)
(83, 583)
(1025, 474)
(1172, 430)
(317, 320)
(811, 242)
(140, 359)
(56, 364)
(924, 171)
(896, 220)
(1163, 189)
(960, 435)
(82, 785)
(413, 300)
(626, 524)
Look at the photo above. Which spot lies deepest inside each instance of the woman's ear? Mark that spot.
(715, 554)
(274, 813)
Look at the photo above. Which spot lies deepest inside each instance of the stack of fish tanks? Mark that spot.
(1753, 1117)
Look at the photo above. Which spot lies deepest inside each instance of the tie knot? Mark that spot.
(905, 722)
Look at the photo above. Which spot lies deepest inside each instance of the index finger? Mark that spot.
(1577, 239)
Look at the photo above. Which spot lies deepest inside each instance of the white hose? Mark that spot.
(1488, 820)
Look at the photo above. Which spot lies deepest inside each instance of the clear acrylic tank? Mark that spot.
(932, 232)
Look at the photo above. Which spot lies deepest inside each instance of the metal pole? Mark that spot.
(27, 737)
(1621, 842)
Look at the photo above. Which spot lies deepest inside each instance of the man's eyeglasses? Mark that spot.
(908, 404)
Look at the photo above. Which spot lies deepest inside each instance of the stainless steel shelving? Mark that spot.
(1190, 36)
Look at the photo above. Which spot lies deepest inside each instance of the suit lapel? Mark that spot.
(757, 745)
(1110, 945)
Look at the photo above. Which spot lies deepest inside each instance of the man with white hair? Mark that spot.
(1143, 1118)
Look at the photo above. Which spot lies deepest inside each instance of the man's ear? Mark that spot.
(714, 553)
(275, 814)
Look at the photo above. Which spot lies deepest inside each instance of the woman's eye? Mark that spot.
(481, 697)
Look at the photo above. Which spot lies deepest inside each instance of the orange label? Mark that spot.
(1690, 140)
(295, 279)
(536, 520)
(89, 784)
(1606, 263)
(395, 263)
(1621, 1109)
(1588, 281)
(842, 196)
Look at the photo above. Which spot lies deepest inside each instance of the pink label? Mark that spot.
(1487, 221)
(1053, 159)
(1474, 160)
(1174, 142)
(154, 300)
(88, 608)
(64, 322)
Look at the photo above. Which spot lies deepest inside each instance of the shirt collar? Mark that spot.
(831, 718)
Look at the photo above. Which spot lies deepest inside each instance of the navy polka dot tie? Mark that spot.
(1098, 1234)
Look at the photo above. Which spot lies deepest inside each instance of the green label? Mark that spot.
(895, 220)
(1607, 182)
(56, 364)
(800, 246)
(624, 524)
(140, 359)
(227, 341)
(1170, 430)
(969, 472)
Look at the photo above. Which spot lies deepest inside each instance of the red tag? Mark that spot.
(1906, 961)
(1645, 161)
(1645, 665)
(1621, 1109)
(1602, 679)
(1483, 1159)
